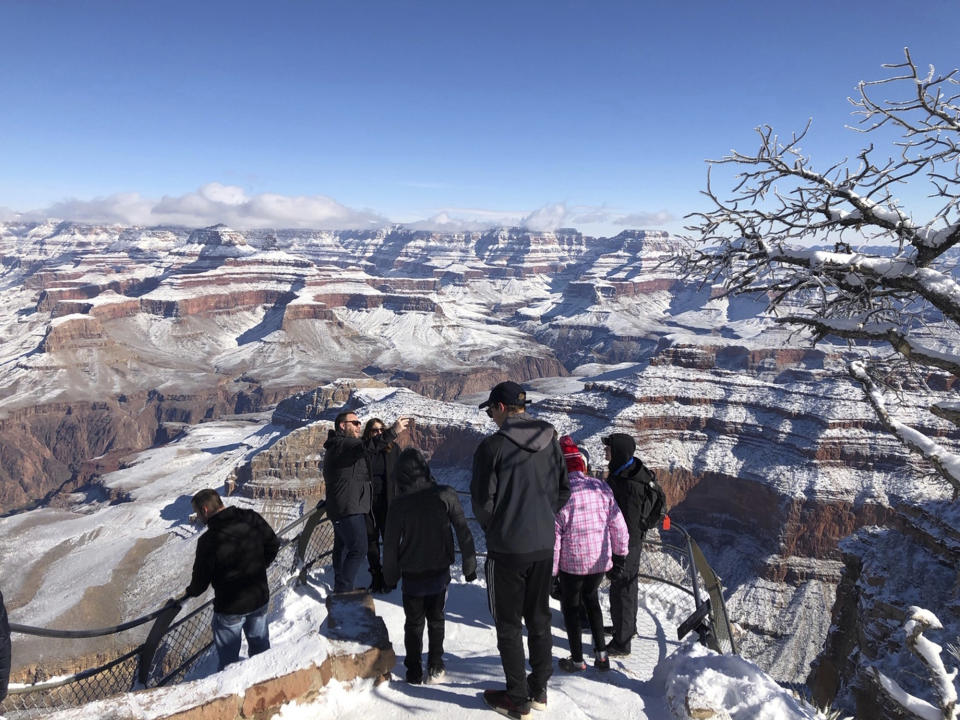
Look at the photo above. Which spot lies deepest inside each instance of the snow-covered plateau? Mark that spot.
(139, 365)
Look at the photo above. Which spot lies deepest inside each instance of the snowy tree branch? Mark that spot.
(946, 462)
(787, 231)
(929, 652)
(881, 332)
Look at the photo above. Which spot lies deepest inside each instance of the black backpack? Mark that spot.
(653, 506)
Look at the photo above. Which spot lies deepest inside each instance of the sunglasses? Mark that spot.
(355, 423)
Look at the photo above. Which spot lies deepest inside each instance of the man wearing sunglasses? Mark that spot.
(519, 483)
(346, 473)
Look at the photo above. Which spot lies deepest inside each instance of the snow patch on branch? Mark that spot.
(929, 652)
(946, 461)
(938, 283)
(928, 237)
(912, 704)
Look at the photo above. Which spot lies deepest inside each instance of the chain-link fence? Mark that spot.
(686, 587)
(172, 649)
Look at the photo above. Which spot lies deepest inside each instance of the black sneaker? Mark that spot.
(436, 674)
(615, 649)
(415, 677)
(571, 666)
(601, 661)
(538, 700)
(499, 700)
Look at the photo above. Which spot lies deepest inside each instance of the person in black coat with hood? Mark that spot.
(5, 646)
(630, 481)
(418, 546)
(233, 555)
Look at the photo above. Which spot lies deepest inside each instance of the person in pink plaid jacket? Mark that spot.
(591, 538)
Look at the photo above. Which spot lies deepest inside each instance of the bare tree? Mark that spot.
(887, 276)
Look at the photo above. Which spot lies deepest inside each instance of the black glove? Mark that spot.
(471, 577)
(555, 588)
(617, 571)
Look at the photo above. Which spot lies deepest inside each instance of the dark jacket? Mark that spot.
(519, 483)
(418, 541)
(634, 497)
(4, 649)
(346, 471)
(233, 555)
(386, 460)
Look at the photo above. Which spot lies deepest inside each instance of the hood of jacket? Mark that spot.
(527, 433)
(413, 472)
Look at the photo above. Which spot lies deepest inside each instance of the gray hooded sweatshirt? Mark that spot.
(519, 483)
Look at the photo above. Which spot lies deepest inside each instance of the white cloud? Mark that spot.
(467, 220)
(557, 215)
(645, 219)
(8, 215)
(216, 203)
(229, 204)
(211, 204)
(548, 217)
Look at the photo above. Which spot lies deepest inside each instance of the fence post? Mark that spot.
(715, 590)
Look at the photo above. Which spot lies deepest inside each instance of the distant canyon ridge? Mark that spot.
(111, 336)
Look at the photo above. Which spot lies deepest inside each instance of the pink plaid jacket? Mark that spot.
(589, 528)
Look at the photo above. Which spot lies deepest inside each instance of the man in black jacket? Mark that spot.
(519, 483)
(630, 481)
(233, 555)
(4, 649)
(418, 545)
(346, 474)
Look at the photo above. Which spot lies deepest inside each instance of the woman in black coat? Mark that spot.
(383, 467)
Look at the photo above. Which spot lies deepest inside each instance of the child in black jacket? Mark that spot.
(418, 546)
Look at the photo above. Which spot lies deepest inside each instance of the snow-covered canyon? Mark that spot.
(138, 365)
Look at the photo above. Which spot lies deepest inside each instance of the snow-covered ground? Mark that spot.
(660, 680)
(473, 665)
(653, 683)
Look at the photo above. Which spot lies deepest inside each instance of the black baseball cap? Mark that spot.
(508, 393)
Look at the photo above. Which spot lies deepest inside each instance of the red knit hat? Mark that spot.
(571, 454)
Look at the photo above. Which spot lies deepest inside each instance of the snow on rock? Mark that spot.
(702, 684)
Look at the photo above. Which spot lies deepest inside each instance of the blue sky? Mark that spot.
(300, 112)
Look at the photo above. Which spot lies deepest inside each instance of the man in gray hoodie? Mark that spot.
(519, 483)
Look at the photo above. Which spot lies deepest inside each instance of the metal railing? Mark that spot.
(690, 585)
(171, 650)
(673, 570)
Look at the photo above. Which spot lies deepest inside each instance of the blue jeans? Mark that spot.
(226, 635)
(349, 550)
